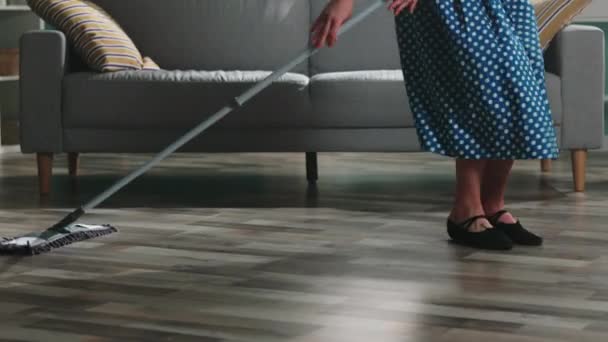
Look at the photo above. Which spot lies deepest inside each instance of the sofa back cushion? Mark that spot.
(371, 45)
(215, 34)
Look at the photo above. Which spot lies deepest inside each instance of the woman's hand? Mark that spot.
(325, 28)
(397, 6)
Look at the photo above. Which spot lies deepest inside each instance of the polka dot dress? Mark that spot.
(474, 74)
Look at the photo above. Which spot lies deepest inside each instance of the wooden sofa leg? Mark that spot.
(545, 165)
(312, 171)
(579, 163)
(73, 163)
(45, 172)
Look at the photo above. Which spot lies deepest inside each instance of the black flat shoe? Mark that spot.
(515, 231)
(490, 238)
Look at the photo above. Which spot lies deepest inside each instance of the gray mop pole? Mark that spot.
(238, 102)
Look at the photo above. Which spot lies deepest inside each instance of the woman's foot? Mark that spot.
(505, 222)
(475, 232)
(467, 212)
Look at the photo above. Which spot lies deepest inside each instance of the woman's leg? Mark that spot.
(467, 201)
(493, 189)
(494, 186)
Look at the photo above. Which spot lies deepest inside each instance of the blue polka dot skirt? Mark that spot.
(475, 78)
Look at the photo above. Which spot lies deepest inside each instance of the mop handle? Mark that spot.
(239, 101)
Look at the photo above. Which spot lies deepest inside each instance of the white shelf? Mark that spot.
(15, 8)
(9, 78)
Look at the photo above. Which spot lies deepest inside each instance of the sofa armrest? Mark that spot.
(43, 64)
(577, 56)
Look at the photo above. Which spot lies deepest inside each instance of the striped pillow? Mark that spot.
(554, 15)
(100, 41)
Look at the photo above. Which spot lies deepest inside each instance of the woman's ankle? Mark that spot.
(492, 207)
(462, 213)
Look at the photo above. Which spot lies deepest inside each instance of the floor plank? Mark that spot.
(238, 247)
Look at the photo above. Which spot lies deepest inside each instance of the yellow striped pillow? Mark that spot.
(100, 41)
(553, 15)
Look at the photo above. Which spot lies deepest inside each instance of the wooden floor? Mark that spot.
(237, 248)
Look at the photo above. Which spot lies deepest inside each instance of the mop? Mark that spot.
(68, 231)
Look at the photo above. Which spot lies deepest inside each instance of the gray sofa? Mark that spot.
(349, 98)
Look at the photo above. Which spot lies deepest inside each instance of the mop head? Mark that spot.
(54, 237)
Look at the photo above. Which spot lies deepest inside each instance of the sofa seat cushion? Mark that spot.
(378, 99)
(355, 99)
(145, 99)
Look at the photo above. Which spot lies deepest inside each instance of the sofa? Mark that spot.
(349, 98)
